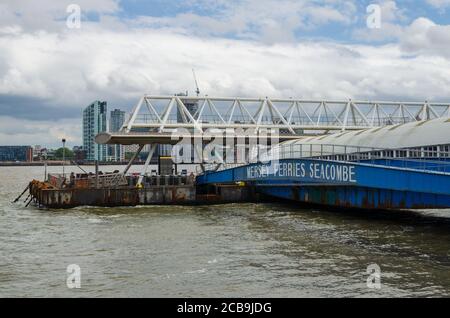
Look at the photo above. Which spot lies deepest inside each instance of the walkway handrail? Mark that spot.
(323, 151)
(421, 158)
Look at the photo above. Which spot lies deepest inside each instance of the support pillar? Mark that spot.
(147, 163)
(132, 159)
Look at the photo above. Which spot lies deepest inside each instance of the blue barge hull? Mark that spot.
(342, 184)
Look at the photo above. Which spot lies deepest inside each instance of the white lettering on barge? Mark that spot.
(316, 171)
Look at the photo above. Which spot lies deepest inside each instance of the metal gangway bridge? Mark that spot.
(414, 175)
(292, 116)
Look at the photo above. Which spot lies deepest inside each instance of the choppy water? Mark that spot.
(217, 251)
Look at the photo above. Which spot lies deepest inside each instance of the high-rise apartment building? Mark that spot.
(94, 122)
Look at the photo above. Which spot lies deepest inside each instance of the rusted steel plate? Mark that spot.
(67, 198)
(358, 197)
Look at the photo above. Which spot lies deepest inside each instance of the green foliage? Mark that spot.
(68, 154)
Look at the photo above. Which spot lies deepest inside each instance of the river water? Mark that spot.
(238, 250)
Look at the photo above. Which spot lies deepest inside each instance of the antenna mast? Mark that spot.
(196, 83)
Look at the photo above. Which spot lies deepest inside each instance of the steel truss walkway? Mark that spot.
(403, 185)
(293, 116)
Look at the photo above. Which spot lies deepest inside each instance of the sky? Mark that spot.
(51, 67)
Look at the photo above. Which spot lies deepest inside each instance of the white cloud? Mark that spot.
(267, 20)
(423, 36)
(439, 3)
(391, 12)
(77, 67)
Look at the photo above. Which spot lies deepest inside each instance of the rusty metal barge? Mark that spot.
(111, 190)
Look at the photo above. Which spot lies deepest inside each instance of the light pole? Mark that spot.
(64, 155)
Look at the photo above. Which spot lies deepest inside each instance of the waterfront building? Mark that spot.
(94, 122)
(49, 154)
(117, 119)
(79, 153)
(16, 153)
(37, 150)
(39, 153)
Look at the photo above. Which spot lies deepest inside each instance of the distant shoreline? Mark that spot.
(60, 163)
(83, 164)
